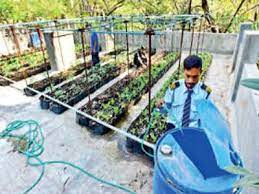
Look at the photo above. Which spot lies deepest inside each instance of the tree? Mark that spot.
(6, 11)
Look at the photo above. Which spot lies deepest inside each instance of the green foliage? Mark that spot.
(252, 83)
(220, 10)
(14, 64)
(131, 91)
(6, 10)
(248, 179)
(96, 75)
(29, 10)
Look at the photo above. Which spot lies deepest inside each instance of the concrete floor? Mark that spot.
(65, 140)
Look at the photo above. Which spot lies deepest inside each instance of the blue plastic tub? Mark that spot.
(192, 160)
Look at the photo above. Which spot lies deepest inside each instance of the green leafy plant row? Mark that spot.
(158, 126)
(95, 76)
(116, 101)
(75, 70)
(8, 67)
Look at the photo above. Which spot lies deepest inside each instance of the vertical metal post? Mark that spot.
(149, 32)
(44, 57)
(127, 43)
(192, 26)
(132, 29)
(172, 41)
(16, 42)
(114, 42)
(82, 30)
(181, 48)
(198, 41)
(203, 35)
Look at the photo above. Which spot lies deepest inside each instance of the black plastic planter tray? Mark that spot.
(55, 80)
(100, 129)
(82, 120)
(94, 127)
(28, 73)
(4, 82)
(44, 103)
(29, 92)
(59, 109)
(135, 147)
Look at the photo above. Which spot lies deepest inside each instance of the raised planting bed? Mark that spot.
(77, 89)
(15, 70)
(111, 105)
(56, 79)
(27, 52)
(158, 124)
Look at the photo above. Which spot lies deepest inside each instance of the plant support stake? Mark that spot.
(127, 43)
(192, 26)
(198, 41)
(181, 48)
(84, 57)
(114, 41)
(203, 35)
(149, 32)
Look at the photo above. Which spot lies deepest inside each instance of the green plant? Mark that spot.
(248, 179)
(133, 88)
(252, 83)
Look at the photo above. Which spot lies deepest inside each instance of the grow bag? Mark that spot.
(44, 103)
(192, 160)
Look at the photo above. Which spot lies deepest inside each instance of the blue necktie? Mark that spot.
(187, 110)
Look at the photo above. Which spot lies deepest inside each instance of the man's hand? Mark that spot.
(160, 103)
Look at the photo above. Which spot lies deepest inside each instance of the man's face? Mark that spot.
(192, 77)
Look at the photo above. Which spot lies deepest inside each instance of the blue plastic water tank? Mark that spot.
(192, 160)
(35, 40)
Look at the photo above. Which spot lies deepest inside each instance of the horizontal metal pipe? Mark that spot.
(122, 132)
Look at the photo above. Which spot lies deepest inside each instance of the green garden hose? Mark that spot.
(30, 143)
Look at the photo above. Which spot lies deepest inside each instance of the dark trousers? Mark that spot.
(95, 58)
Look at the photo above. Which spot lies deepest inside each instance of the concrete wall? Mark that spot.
(213, 42)
(170, 40)
(61, 49)
(248, 53)
(247, 120)
(246, 104)
(7, 45)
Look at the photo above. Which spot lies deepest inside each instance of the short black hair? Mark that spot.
(192, 61)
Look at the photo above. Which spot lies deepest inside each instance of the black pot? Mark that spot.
(57, 108)
(135, 147)
(29, 92)
(44, 103)
(82, 120)
(97, 128)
